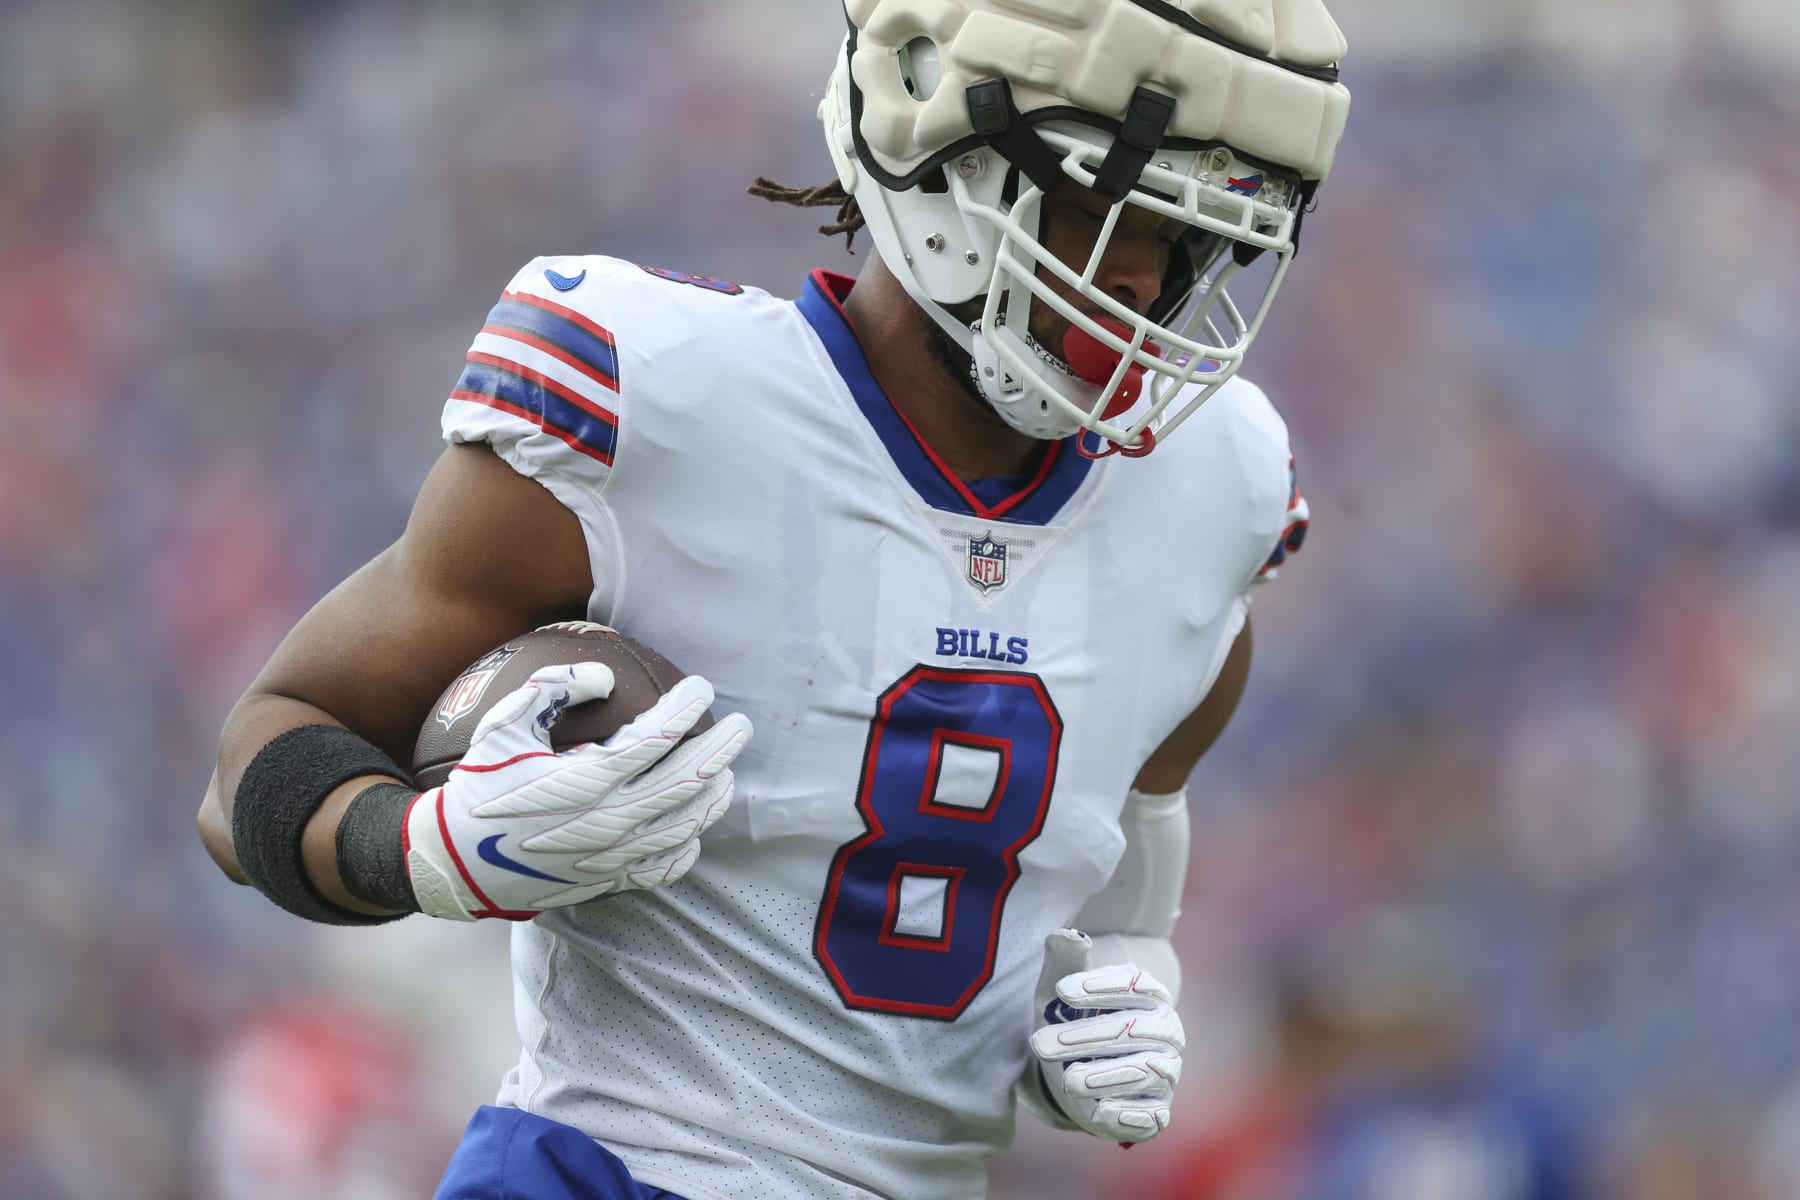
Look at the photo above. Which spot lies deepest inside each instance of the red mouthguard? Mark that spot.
(1095, 362)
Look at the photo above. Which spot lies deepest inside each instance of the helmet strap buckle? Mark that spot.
(999, 123)
(1146, 121)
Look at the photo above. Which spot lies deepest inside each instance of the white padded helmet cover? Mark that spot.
(1270, 94)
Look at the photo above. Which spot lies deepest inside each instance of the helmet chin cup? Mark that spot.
(1002, 364)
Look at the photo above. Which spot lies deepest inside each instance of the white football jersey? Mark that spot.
(953, 686)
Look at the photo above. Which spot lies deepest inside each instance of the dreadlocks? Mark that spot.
(849, 216)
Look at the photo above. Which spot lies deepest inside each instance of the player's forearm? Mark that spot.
(254, 723)
(319, 846)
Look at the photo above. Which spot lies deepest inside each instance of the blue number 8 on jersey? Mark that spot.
(912, 834)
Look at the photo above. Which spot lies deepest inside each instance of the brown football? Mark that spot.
(641, 676)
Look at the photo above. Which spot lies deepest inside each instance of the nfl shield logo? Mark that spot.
(987, 562)
(469, 687)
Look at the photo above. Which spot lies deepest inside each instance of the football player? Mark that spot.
(969, 540)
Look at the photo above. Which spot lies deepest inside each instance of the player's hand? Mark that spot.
(1110, 1045)
(519, 828)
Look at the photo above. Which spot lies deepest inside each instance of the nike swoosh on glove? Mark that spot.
(1109, 1049)
(519, 828)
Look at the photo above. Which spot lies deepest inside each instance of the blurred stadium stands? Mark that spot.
(1493, 894)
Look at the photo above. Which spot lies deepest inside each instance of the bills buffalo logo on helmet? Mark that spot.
(471, 685)
(987, 562)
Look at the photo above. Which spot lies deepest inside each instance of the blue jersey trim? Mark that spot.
(1020, 500)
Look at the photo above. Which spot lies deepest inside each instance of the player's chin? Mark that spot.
(1048, 332)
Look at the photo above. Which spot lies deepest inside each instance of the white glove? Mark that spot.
(1109, 1051)
(519, 828)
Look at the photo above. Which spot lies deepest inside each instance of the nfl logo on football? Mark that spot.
(467, 691)
(987, 562)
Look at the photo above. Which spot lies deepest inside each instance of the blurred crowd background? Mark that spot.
(1493, 894)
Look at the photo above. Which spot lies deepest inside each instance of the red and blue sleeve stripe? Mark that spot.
(559, 411)
(577, 408)
(560, 332)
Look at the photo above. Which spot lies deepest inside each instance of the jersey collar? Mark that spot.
(1024, 500)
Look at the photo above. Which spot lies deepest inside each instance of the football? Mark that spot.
(641, 676)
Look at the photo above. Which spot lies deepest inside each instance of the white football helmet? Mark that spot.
(949, 120)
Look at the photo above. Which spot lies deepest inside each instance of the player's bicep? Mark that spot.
(486, 554)
(1169, 766)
